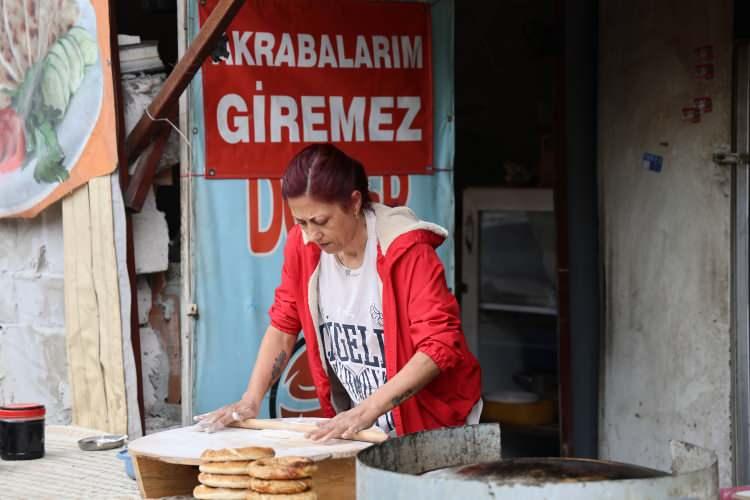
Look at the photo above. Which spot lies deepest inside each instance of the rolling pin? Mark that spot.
(367, 435)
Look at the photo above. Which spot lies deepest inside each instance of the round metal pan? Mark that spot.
(103, 442)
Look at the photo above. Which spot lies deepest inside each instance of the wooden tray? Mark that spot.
(166, 463)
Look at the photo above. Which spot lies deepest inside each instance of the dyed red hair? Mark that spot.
(325, 173)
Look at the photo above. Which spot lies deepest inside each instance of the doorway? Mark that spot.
(147, 39)
(506, 101)
(525, 181)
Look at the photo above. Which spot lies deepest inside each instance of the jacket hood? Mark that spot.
(391, 223)
(398, 228)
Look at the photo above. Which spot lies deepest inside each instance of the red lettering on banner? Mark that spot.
(402, 197)
(386, 195)
(298, 72)
(264, 241)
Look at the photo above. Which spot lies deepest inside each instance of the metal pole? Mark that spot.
(186, 236)
(740, 256)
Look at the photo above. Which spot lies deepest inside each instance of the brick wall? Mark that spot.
(33, 363)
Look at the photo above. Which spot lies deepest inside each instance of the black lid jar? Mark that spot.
(22, 431)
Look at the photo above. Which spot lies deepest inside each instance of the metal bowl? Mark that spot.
(104, 442)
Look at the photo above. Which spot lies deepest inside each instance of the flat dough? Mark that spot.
(224, 480)
(225, 467)
(203, 492)
(237, 454)
(282, 468)
(305, 495)
(276, 486)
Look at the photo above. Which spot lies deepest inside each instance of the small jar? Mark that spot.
(22, 431)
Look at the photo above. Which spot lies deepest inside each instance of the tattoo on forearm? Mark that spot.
(403, 397)
(278, 365)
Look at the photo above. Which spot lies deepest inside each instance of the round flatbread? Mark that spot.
(224, 480)
(237, 454)
(225, 467)
(203, 492)
(305, 495)
(282, 468)
(276, 486)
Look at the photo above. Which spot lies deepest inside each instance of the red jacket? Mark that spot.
(419, 314)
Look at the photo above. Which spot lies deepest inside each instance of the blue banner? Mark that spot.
(239, 229)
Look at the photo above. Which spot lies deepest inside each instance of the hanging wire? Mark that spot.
(175, 127)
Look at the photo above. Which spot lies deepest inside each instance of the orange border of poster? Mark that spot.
(99, 156)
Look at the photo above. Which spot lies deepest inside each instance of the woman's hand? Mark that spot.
(273, 354)
(415, 374)
(222, 417)
(346, 424)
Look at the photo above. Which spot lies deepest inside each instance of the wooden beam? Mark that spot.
(166, 100)
(93, 324)
(140, 182)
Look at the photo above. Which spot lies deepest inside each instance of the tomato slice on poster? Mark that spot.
(12, 141)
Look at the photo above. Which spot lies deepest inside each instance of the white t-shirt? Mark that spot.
(351, 322)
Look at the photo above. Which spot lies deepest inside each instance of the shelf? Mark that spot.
(494, 306)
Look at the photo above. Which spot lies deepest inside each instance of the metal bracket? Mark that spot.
(725, 159)
(192, 310)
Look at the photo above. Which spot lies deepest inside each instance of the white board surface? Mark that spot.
(185, 445)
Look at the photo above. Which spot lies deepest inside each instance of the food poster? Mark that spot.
(239, 229)
(57, 109)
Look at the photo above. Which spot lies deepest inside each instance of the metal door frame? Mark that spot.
(740, 266)
(186, 238)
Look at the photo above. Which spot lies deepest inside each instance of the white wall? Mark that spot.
(33, 363)
(33, 358)
(666, 236)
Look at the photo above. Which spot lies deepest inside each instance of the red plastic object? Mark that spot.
(22, 410)
(704, 104)
(691, 115)
(729, 493)
(704, 71)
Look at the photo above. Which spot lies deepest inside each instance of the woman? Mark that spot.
(364, 284)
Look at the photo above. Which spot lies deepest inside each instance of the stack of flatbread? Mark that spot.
(282, 478)
(223, 473)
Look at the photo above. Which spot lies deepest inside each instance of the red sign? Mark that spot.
(354, 73)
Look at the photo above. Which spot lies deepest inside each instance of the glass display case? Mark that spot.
(509, 308)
